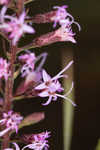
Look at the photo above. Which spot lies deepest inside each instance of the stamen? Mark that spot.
(70, 89)
(43, 56)
(57, 76)
(62, 96)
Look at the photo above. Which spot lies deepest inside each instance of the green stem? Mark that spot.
(68, 108)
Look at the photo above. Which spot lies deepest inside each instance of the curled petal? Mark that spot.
(2, 133)
(48, 101)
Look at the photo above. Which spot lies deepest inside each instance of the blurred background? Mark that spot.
(85, 127)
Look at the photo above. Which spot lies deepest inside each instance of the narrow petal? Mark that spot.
(4, 131)
(64, 97)
(40, 87)
(22, 17)
(46, 77)
(2, 121)
(62, 71)
(48, 101)
(16, 146)
(28, 29)
(44, 94)
(31, 146)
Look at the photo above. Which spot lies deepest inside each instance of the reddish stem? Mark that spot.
(9, 92)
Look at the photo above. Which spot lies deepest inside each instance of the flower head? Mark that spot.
(29, 59)
(29, 62)
(16, 27)
(65, 34)
(4, 69)
(61, 14)
(51, 86)
(37, 141)
(64, 18)
(4, 2)
(11, 120)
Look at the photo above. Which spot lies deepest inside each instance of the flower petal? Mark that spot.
(46, 77)
(40, 87)
(48, 101)
(16, 146)
(44, 94)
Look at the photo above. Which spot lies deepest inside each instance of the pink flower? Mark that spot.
(4, 2)
(65, 34)
(16, 27)
(29, 60)
(64, 18)
(11, 120)
(51, 86)
(4, 69)
(61, 14)
(38, 141)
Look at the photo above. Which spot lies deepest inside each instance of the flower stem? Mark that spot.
(68, 109)
(9, 83)
(9, 92)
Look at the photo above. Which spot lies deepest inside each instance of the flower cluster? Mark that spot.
(64, 18)
(4, 2)
(11, 120)
(29, 62)
(4, 69)
(16, 26)
(38, 142)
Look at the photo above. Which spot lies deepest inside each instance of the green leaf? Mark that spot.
(98, 145)
(32, 119)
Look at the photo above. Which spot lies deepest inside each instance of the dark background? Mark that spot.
(86, 127)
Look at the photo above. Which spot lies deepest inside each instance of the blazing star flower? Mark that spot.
(65, 34)
(61, 14)
(4, 69)
(11, 120)
(29, 60)
(38, 141)
(4, 2)
(16, 27)
(51, 86)
(64, 18)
